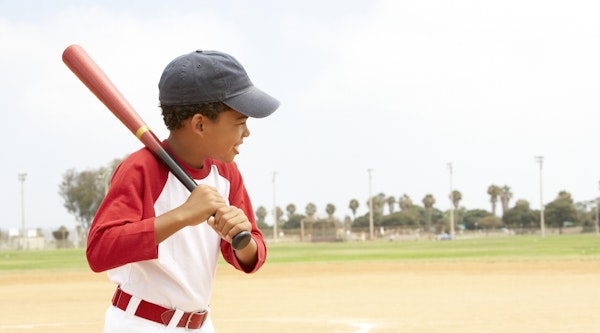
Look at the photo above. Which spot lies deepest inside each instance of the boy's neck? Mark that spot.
(184, 151)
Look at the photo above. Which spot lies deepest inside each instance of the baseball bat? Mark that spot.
(86, 69)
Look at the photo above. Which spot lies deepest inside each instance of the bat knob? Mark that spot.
(241, 240)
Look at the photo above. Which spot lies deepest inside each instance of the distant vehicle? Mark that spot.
(444, 236)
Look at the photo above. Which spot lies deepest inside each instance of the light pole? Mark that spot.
(451, 202)
(274, 208)
(370, 205)
(540, 160)
(598, 214)
(22, 177)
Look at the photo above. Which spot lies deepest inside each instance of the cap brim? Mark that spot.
(253, 103)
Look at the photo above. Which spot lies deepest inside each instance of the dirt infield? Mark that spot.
(367, 298)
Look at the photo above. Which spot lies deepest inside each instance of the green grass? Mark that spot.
(517, 248)
(43, 260)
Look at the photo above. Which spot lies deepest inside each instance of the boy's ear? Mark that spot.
(197, 122)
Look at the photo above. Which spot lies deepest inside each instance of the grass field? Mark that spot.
(566, 247)
(514, 248)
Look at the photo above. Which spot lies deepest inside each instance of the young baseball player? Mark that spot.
(159, 242)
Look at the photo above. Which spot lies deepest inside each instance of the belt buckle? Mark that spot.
(189, 319)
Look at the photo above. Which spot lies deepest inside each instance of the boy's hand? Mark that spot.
(228, 221)
(202, 204)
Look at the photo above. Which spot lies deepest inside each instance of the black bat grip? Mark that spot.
(239, 241)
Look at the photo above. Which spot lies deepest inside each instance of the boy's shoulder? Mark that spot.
(142, 156)
(141, 161)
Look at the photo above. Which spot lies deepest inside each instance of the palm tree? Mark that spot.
(378, 203)
(405, 202)
(428, 202)
(291, 210)
(279, 214)
(391, 201)
(311, 209)
(505, 196)
(494, 192)
(456, 198)
(353, 207)
(330, 209)
(261, 213)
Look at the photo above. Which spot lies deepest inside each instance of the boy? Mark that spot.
(159, 242)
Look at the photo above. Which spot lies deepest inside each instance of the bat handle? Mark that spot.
(239, 241)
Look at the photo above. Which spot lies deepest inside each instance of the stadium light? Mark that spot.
(540, 160)
(22, 177)
(451, 196)
(597, 214)
(370, 205)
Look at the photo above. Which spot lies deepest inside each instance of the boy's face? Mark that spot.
(225, 134)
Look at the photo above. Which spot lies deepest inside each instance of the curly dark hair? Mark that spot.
(174, 115)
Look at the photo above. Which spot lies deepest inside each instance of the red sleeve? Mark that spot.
(122, 231)
(238, 197)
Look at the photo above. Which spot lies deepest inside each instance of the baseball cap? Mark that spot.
(211, 76)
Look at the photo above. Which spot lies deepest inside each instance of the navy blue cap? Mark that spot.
(212, 76)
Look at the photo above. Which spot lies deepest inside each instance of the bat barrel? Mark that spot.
(86, 69)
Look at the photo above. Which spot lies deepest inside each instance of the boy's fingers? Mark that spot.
(211, 221)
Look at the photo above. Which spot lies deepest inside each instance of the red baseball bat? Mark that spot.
(84, 67)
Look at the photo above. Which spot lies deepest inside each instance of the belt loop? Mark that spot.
(117, 296)
(134, 302)
(176, 318)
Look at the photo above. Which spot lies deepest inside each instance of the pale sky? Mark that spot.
(400, 87)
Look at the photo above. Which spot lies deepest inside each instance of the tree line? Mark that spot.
(402, 212)
(83, 191)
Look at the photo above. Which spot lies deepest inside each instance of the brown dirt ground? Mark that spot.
(547, 297)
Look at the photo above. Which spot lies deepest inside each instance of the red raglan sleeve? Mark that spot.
(238, 197)
(122, 231)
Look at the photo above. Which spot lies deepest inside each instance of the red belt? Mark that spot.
(159, 314)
